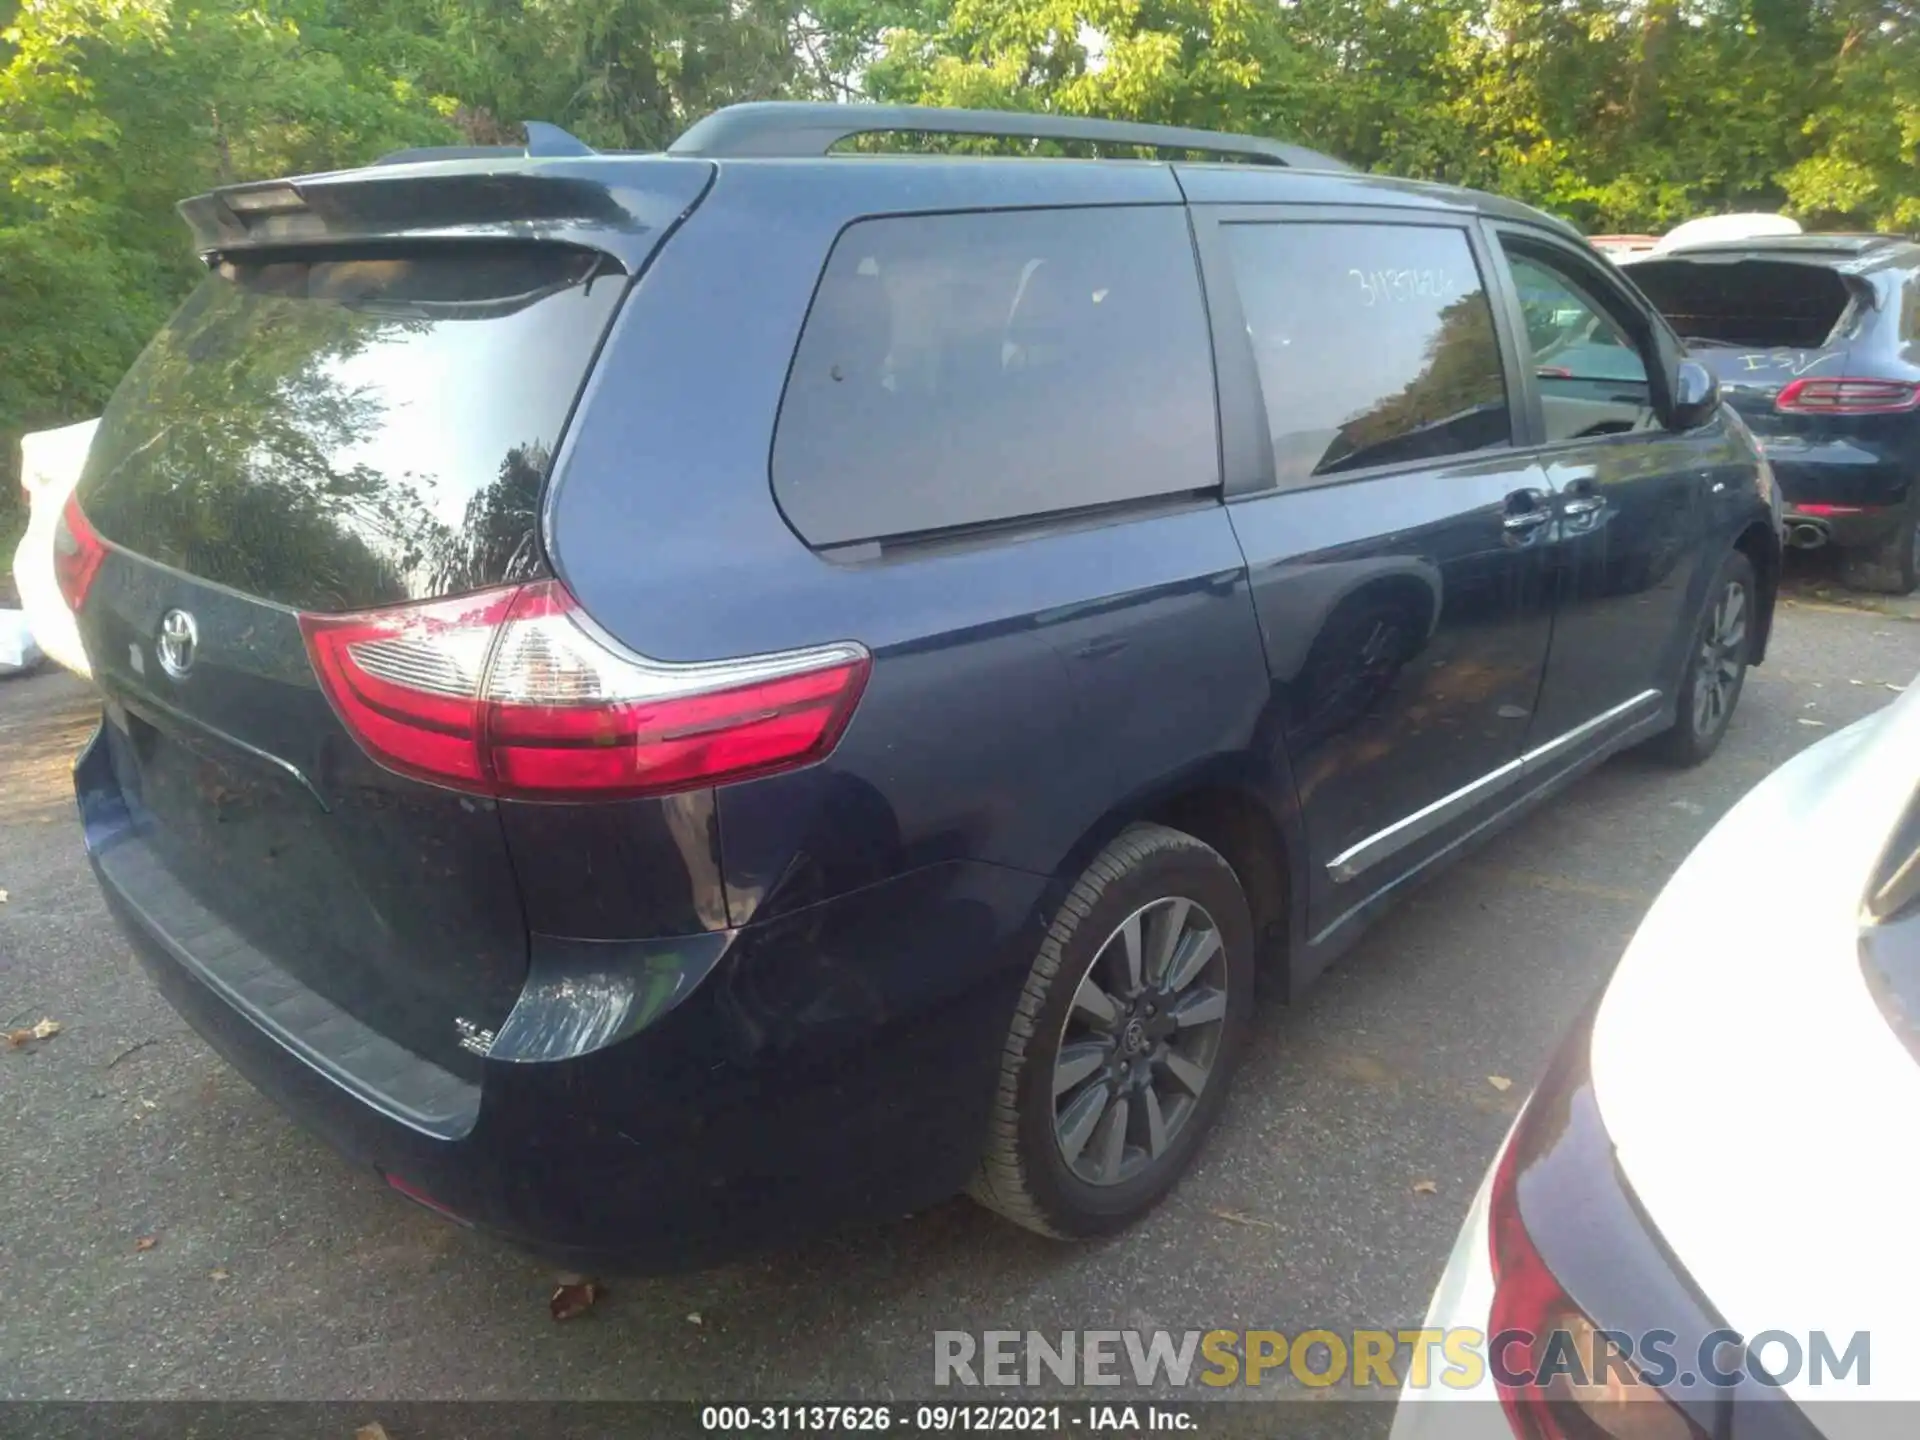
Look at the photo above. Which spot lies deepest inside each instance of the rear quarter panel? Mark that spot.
(1023, 690)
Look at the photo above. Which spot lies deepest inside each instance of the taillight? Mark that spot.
(1606, 1399)
(515, 692)
(1840, 396)
(77, 554)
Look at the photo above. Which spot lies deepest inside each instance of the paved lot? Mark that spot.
(279, 1272)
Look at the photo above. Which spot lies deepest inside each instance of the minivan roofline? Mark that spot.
(797, 130)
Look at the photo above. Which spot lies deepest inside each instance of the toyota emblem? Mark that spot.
(179, 638)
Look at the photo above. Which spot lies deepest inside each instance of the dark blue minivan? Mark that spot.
(668, 701)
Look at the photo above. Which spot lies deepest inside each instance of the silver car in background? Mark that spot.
(1715, 1177)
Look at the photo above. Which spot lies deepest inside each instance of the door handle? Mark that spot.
(1582, 505)
(1526, 511)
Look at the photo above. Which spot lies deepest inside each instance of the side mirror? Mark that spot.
(1696, 396)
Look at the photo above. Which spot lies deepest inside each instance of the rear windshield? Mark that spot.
(1781, 303)
(339, 432)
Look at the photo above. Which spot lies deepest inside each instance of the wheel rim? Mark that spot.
(1140, 1041)
(1722, 659)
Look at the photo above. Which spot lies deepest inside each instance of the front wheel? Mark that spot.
(1716, 666)
(1124, 1040)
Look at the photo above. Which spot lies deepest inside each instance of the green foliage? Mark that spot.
(113, 110)
(1619, 114)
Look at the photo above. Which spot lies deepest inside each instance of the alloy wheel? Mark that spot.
(1140, 1041)
(1722, 659)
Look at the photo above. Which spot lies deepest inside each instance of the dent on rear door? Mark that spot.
(1393, 532)
(1632, 520)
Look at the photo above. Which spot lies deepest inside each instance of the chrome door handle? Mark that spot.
(1582, 505)
(1526, 520)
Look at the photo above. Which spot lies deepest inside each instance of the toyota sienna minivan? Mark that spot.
(663, 702)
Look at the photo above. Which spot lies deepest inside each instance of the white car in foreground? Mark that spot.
(1720, 1167)
(50, 464)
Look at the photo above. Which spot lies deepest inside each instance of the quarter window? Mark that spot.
(964, 369)
(1375, 344)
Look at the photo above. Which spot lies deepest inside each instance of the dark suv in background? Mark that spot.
(668, 701)
(1816, 342)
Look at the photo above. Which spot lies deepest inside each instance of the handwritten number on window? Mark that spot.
(1385, 286)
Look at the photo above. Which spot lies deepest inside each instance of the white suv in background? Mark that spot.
(50, 463)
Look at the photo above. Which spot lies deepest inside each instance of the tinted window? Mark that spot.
(957, 369)
(1591, 376)
(1747, 300)
(1375, 344)
(347, 432)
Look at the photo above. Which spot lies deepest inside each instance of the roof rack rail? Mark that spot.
(542, 140)
(769, 128)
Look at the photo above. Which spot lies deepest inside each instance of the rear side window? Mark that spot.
(1375, 344)
(965, 369)
(349, 430)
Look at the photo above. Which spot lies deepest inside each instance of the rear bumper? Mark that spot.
(1847, 529)
(835, 1066)
(1854, 489)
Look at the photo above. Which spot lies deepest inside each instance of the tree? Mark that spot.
(110, 112)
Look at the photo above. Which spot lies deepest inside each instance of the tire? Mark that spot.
(1715, 650)
(1893, 566)
(1170, 886)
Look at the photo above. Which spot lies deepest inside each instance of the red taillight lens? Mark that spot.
(1604, 1401)
(1841, 396)
(77, 553)
(515, 692)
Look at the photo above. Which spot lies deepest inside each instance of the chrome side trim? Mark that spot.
(1356, 859)
(1541, 754)
(1421, 823)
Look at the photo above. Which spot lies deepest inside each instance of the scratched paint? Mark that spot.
(1795, 362)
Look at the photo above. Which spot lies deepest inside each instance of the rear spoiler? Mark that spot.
(618, 204)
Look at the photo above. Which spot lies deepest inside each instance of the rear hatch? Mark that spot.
(354, 421)
(1759, 323)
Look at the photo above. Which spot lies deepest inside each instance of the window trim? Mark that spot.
(1246, 439)
(897, 543)
(1650, 335)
